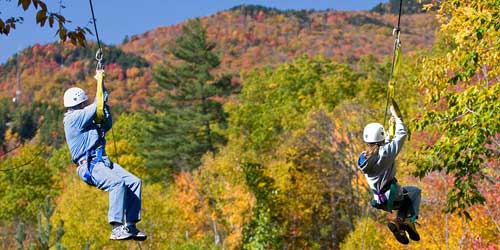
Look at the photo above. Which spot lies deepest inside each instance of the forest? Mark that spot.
(245, 127)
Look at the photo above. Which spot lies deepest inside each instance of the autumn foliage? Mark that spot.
(285, 176)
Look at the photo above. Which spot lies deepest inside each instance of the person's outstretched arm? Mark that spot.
(394, 147)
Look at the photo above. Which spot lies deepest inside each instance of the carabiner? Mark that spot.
(98, 58)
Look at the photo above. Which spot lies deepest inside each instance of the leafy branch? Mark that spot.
(44, 16)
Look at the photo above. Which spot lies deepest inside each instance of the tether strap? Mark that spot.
(100, 97)
(396, 60)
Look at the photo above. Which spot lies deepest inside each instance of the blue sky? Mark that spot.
(119, 18)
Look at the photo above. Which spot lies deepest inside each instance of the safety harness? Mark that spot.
(383, 201)
(92, 156)
(388, 203)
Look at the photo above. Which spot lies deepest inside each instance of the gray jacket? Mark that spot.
(380, 169)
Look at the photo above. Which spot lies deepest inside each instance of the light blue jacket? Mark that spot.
(380, 169)
(81, 132)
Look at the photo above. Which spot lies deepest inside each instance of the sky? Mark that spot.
(117, 19)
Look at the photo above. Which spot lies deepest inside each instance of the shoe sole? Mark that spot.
(399, 235)
(413, 234)
(126, 238)
(139, 238)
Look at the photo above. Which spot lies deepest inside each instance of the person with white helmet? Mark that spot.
(86, 142)
(378, 165)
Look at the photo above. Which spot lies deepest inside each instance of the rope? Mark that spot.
(397, 46)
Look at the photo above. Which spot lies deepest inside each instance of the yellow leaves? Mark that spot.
(218, 193)
(124, 153)
(84, 211)
(166, 216)
(366, 235)
(427, 7)
(273, 85)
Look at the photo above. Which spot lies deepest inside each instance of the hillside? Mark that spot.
(246, 37)
(269, 156)
(249, 36)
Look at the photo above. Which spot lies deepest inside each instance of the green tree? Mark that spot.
(299, 171)
(24, 123)
(25, 180)
(190, 119)
(50, 129)
(409, 6)
(4, 111)
(461, 105)
(274, 102)
(263, 231)
(43, 239)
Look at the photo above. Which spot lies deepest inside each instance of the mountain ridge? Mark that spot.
(245, 38)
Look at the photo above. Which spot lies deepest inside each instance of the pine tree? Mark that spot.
(43, 241)
(45, 233)
(189, 120)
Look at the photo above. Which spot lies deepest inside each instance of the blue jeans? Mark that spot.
(414, 195)
(124, 190)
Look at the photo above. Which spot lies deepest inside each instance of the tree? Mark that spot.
(295, 157)
(25, 180)
(274, 102)
(44, 233)
(264, 230)
(191, 116)
(4, 111)
(409, 7)
(461, 105)
(365, 236)
(43, 14)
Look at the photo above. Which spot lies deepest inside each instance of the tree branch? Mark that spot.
(22, 165)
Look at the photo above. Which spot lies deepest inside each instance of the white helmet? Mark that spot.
(74, 96)
(373, 132)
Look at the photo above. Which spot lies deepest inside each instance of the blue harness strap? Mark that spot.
(91, 161)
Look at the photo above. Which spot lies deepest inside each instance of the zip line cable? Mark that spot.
(99, 54)
(95, 24)
(396, 56)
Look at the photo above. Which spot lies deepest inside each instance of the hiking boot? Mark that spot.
(137, 234)
(399, 234)
(120, 233)
(409, 227)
